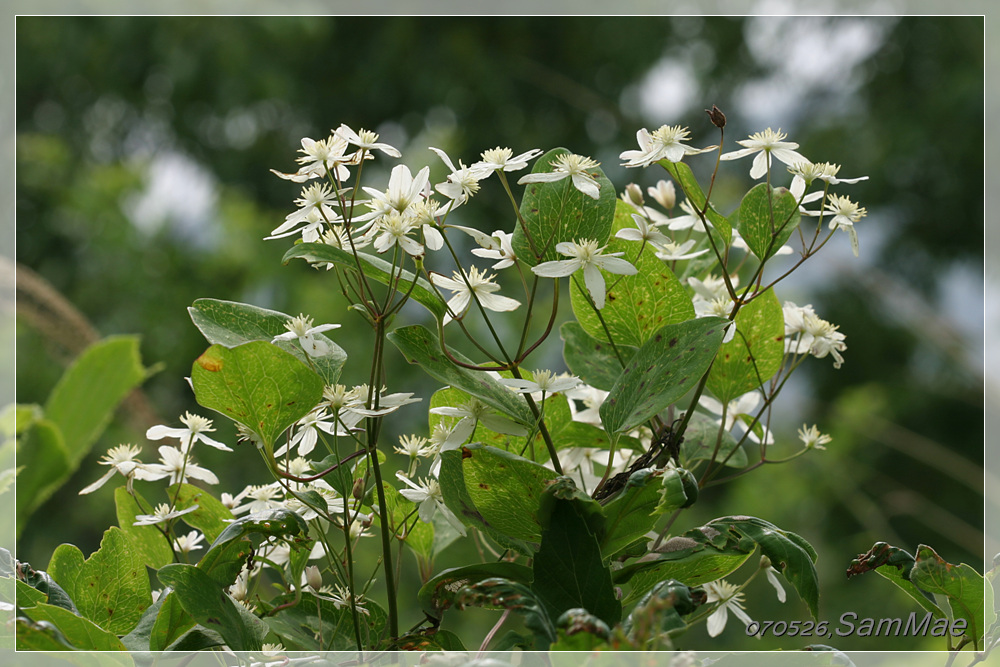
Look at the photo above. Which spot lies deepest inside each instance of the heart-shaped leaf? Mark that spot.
(258, 385)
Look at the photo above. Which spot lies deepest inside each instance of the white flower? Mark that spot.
(664, 193)
(387, 403)
(689, 220)
(806, 172)
(712, 287)
(366, 140)
(394, 229)
(766, 144)
(644, 232)
(845, 214)
(413, 446)
(187, 543)
(578, 463)
(476, 411)
(342, 599)
(546, 382)
(772, 577)
(497, 159)
(301, 329)
(461, 183)
(739, 243)
(161, 514)
(573, 166)
(427, 496)
(178, 465)
(584, 254)
(318, 156)
(672, 252)
(197, 427)
(314, 207)
(592, 400)
(313, 577)
(403, 191)
(812, 438)
(739, 410)
(502, 251)
(269, 650)
(474, 283)
(307, 432)
(729, 599)
(121, 459)
(260, 498)
(445, 438)
(794, 317)
(825, 339)
(664, 143)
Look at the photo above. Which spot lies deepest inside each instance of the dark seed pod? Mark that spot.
(718, 118)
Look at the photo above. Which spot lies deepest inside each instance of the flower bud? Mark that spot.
(633, 195)
(314, 578)
(718, 118)
(664, 194)
(358, 490)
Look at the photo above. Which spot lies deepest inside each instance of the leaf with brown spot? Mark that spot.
(661, 374)
(637, 306)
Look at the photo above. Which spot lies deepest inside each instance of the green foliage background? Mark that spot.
(106, 104)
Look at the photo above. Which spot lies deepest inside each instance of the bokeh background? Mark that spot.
(143, 149)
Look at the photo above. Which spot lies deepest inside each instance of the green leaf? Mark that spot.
(39, 636)
(138, 638)
(590, 359)
(419, 537)
(458, 500)
(569, 572)
(636, 307)
(42, 458)
(689, 185)
(230, 324)
(768, 216)
(375, 268)
(579, 630)
(26, 596)
(79, 408)
(557, 212)
(148, 542)
(208, 603)
(420, 346)
(43, 583)
(755, 352)
(439, 593)
(497, 593)
(678, 489)
(211, 517)
(83, 401)
(171, 622)
(661, 372)
(790, 554)
(662, 608)
(960, 584)
(700, 437)
(506, 489)
(698, 556)
(630, 515)
(80, 632)
(894, 564)
(228, 553)
(258, 385)
(564, 431)
(316, 624)
(111, 587)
